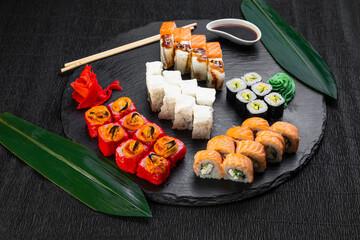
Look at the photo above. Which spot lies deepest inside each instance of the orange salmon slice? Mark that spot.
(182, 34)
(167, 28)
(214, 50)
(198, 41)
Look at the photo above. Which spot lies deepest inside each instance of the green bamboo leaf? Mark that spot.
(91, 178)
(289, 48)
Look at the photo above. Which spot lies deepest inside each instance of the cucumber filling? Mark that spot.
(287, 142)
(270, 153)
(206, 168)
(236, 174)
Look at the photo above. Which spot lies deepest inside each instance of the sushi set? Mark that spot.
(198, 117)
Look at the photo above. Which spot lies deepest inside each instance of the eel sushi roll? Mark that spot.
(261, 89)
(205, 96)
(203, 122)
(182, 60)
(276, 104)
(129, 153)
(154, 168)
(238, 168)
(170, 148)
(255, 151)
(167, 110)
(95, 117)
(172, 77)
(154, 68)
(155, 87)
(198, 57)
(121, 107)
(148, 134)
(188, 87)
(183, 112)
(215, 70)
(234, 86)
(132, 122)
(274, 144)
(208, 164)
(251, 78)
(167, 46)
(256, 124)
(257, 108)
(222, 144)
(240, 133)
(290, 134)
(242, 98)
(110, 137)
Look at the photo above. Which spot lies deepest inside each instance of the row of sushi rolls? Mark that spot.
(142, 147)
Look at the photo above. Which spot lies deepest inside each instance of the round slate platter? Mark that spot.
(307, 111)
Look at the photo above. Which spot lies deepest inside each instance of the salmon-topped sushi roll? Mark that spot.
(238, 168)
(207, 164)
(255, 151)
(223, 144)
(274, 145)
(198, 57)
(256, 124)
(215, 70)
(240, 133)
(167, 46)
(182, 60)
(290, 134)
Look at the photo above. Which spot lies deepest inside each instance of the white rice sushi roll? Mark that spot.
(203, 122)
(251, 78)
(215, 71)
(242, 98)
(234, 86)
(198, 57)
(238, 168)
(188, 87)
(168, 107)
(167, 45)
(154, 68)
(261, 89)
(183, 112)
(172, 77)
(257, 108)
(182, 61)
(208, 164)
(155, 86)
(205, 96)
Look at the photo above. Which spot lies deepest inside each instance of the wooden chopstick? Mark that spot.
(82, 61)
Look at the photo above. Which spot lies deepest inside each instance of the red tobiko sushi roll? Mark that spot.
(154, 168)
(129, 153)
(148, 134)
(121, 107)
(95, 117)
(170, 148)
(132, 122)
(110, 137)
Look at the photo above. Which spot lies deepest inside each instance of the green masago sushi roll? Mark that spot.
(257, 108)
(234, 86)
(242, 98)
(261, 89)
(276, 104)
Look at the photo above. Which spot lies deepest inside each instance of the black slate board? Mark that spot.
(307, 111)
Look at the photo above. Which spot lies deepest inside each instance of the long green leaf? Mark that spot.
(93, 179)
(289, 48)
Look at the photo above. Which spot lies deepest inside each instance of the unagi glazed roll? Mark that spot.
(215, 70)
(256, 124)
(207, 164)
(274, 145)
(182, 60)
(198, 57)
(255, 151)
(167, 46)
(222, 144)
(238, 168)
(290, 134)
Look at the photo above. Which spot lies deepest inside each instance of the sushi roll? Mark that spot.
(242, 98)
(148, 134)
(167, 46)
(110, 137)
(155, 86)
(234, 86)
(198, 57)
(183, 112)
(257, 108)
(276, 104)
(182, 60)
(223, 144)
(96, 117)
(129, 153)
(238, 168)
(170, 148)
(290, 134)
(205, 96)
(188, 87)
(240, 133)
(203, 122)
(154, 68)
(121, 107)
(132, 122)
(154, 168)
(261, 89)
(255, 151)
(172, 77)
(208, 164)
(274, 144)
(251, 78)
(215, 70)
(167, 110)
(256, 124)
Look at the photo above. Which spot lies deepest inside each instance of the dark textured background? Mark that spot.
(37, 37)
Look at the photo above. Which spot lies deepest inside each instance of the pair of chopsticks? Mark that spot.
(108, 53)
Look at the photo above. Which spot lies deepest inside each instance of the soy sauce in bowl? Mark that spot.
(238, 31)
